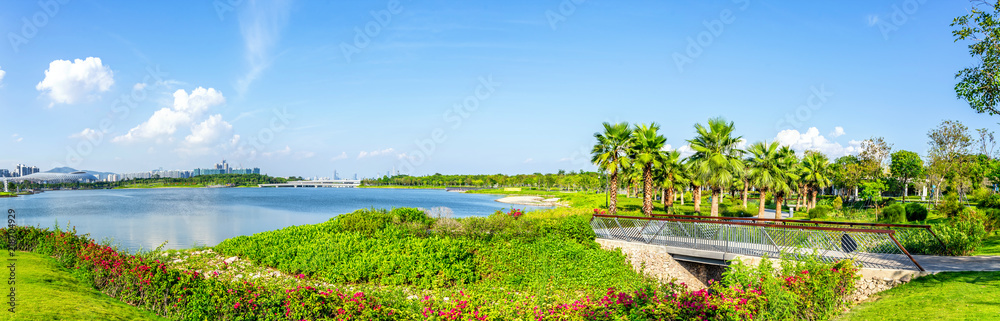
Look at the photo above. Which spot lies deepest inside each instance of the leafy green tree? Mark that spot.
(610, 155)
(949, 143)
(872, 191)
(978, 84)
(716, 160)
(905, 166)
(646, 152)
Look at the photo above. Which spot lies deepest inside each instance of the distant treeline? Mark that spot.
(571, 180)
(218, 179)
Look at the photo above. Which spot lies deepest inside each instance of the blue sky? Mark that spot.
(306, 88)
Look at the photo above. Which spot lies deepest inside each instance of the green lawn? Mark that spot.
(943, 296)
(47, 292)
(991, 245)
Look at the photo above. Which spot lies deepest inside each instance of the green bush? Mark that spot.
(962, 235)
(838, 203)
(802, 289)
(989, 201)
(738, 211)
(981, 194)
(820, 211)
(915, 212)
(950, 207)
(895, 213)
(991, 218)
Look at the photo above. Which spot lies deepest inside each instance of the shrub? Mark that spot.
(838, 203)
(989, 201)
(915, 212)
(962, 235)
(980, 194)
(738, 211)
(820, 211)
(895, 213)
(991, 219)
(951, 207)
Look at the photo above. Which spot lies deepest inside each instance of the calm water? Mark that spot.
(205, 216)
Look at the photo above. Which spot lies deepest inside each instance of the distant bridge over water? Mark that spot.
(334, 183)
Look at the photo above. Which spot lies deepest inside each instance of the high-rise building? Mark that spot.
(4, 173)
(224, 168)
(24, 170)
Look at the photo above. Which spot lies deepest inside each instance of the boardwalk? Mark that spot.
(718, 241)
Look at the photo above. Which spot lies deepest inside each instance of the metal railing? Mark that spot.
(915, 238)
(870, 247)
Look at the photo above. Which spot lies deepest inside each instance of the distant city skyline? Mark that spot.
(304, 88)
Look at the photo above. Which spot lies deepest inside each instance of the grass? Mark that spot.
(47, 292)
(942, 296)
(991, 246)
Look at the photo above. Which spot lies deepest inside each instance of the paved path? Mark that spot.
(958, 263)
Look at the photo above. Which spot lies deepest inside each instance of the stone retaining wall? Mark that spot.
(653, 261)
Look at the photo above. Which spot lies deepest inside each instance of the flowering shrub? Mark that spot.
(529, 269)
(599, 211)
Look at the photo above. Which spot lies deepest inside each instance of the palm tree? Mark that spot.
(695, 181)
(788, 162)
(763, 170)
(815, 174)
(610, 155)
(716, 159)
(646, 154)
(671, 176)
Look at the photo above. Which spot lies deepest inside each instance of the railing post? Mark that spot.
(891, 232)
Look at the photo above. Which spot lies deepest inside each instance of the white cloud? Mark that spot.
(387, 151)
(184, 112)
(2, 73)
(686, 150)
(304, 154)
(71, 82)
(343, 155)
(281, 152)
(812, 140)
(87, 132)
(837, 132)
(17, 138)
(209, 131)
(260, 25)
(529, 160)
(139, 86)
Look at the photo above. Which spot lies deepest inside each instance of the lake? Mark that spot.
(187, 217)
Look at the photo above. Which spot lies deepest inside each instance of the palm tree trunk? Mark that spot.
(814, 191)
(668, 201)
(613, 208)
(647, 191)
(696, 195)
(682, 196)
(780, 197)
(760, 207)
(746, 190)
(716, 194)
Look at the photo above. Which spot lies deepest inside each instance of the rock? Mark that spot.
(231, 260)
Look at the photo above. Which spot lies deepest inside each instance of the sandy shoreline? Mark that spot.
(531, 200)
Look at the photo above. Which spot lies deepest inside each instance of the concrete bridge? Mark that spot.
(337, 183)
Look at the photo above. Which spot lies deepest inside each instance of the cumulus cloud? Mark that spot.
(343, 155)
(812, 140)
(87, 132)
(837, 132)
(387, 151)
(2, 73)
(186, 109)
(209, 131)
(70, 82)
(686, 150)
